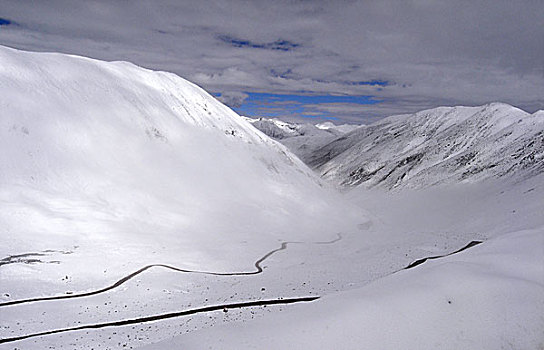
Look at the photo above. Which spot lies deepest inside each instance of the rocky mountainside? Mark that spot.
(441, 145)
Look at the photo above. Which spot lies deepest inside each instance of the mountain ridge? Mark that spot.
(439, 145)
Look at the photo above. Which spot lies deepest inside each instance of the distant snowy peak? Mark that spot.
(344, 128)
(301, 139)
(539, 114)
(278, 129)
(440, 145)
(275, 128)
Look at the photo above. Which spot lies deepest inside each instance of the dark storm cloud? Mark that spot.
(409, 54)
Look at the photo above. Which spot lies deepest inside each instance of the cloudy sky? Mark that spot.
(349, 61)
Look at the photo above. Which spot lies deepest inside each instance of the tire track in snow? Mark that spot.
(258, 270)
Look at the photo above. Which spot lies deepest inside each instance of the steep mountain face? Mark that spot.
(441, 145)
(301, 139)
(112, 153)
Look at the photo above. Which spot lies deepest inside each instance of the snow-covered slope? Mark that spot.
(489, 297)
(441, 145)
(97, 154)
(301, 139)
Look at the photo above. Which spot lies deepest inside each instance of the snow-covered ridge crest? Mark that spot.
(113, 152)
(440, 145)
(82, 76)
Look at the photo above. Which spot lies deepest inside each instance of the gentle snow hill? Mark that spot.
(489, 297)
(96, 155)
(302, 139)
(441, 145)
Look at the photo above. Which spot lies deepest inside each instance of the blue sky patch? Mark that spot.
(296, 106)
(281, 45)
(375, 82)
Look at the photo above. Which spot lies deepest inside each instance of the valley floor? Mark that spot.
(486, 297)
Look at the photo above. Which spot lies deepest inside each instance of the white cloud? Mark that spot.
(430, 52)
(233, 98)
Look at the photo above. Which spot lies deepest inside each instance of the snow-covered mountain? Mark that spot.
(135, 209)
(301, 139)
(98, 154)
(441, 145)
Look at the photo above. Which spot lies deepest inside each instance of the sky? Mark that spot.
(344, 61)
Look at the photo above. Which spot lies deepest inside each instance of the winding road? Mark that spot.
(258, 270)
(224, 307)
(140, 320)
